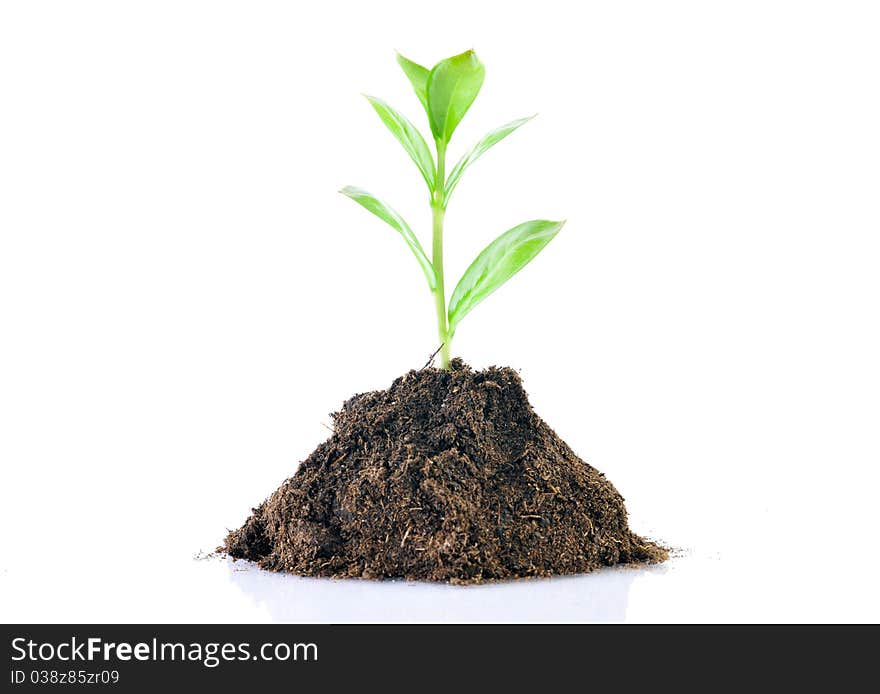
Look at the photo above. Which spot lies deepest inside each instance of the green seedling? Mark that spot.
(446, 92)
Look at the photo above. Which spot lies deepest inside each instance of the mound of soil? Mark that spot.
(445, 476)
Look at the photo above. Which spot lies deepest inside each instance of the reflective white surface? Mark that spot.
(213, 589)
(602, 597)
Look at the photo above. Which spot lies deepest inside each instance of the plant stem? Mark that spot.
(438, 203)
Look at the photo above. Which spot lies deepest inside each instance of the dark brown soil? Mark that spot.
(445, 476)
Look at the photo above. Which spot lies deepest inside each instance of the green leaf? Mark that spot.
(409, 136)
(386, 214)
(479, 149)
(418, 77)
(452, 86)
(499, 261)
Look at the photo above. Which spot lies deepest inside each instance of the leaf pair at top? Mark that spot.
(447, 90)
(446, 93)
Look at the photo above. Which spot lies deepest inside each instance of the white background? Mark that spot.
(184, 296)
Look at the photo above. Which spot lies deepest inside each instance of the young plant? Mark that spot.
(446, 92)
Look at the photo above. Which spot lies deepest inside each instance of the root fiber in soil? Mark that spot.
(445, 476)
